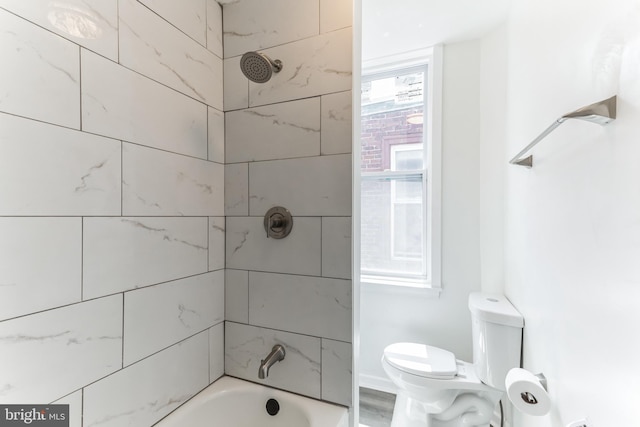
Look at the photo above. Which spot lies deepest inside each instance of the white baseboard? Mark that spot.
(377, 383)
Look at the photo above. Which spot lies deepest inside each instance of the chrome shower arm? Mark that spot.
(602, 112)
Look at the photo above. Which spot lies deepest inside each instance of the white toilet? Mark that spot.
(437, 390)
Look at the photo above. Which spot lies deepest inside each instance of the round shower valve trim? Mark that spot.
(278, 222)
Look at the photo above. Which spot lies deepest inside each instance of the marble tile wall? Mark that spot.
(112, 205)
(288, 143)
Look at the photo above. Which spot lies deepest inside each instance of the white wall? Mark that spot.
(571, 234)
(394, 315)
(111, 206)
(493, 117)
(573, 221)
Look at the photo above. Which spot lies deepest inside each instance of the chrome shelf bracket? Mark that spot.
(602, 113)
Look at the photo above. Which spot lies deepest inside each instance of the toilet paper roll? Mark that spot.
(526, 392)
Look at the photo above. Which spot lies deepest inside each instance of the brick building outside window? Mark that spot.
(393, 171)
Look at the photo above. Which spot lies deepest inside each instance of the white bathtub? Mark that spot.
(230, 402)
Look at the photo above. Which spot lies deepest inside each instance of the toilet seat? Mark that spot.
(422, 360)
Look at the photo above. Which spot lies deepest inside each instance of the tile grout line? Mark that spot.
(49, 30)
(117, 61)
(319, 18)
(175, 152)
(320, 121)
(57, 125)
(155, 353)
(80, 82)
(248, 301)
(206, 45)
(268, 104)
(319, 337)
(248, 189)
(305, 38)
(321, 366)
(123, 316)
(149, 78)
(82, 403)
(121, 178)
(118, 31)
(173, 216)
(81, 259)
(106, 295)
(321, 243)
(290, 274)
(171, 24)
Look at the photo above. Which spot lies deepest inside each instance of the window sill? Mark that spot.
(394, 285)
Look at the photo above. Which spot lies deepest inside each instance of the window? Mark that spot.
(399, 174)
(407, 218)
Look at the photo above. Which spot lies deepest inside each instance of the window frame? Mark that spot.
(432, 139)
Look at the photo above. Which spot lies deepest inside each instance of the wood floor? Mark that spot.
(376, 408)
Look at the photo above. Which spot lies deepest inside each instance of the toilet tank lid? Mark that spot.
(495, 308)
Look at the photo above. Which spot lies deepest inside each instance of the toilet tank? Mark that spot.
(497, 337)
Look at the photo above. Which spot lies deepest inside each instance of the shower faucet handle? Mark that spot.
(278, 222)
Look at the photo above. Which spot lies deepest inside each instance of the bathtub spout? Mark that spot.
(276, 355)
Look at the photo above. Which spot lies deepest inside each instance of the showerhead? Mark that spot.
(258, 67)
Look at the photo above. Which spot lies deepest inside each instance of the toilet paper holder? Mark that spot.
(530, 398)
(528, 391)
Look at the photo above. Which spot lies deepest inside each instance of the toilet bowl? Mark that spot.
(437, 390)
